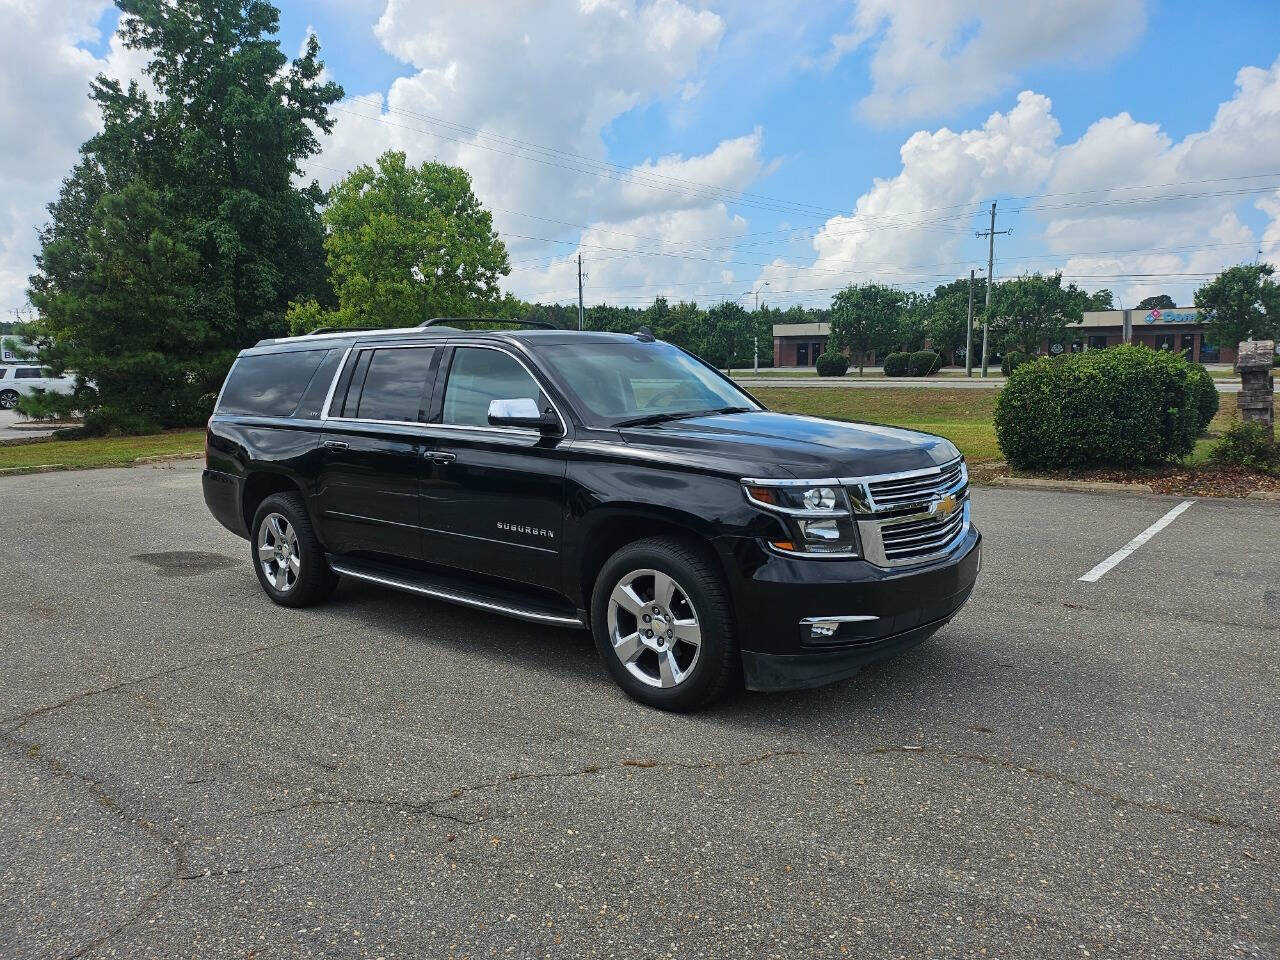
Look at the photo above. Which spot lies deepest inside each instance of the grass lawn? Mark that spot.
(962, 416)
(100, 451)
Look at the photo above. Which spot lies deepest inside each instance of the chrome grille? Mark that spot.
(893, 493)
(917, 539)
(899, 519)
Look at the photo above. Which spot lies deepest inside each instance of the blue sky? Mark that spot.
(816, 134)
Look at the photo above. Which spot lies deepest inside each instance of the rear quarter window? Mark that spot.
(269, 384)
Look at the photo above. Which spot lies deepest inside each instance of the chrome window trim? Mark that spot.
(333, 384)
(342, 365)
(464, 345)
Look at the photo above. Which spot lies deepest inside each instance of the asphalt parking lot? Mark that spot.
(1069, 769)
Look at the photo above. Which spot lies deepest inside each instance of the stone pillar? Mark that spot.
(1257, 400)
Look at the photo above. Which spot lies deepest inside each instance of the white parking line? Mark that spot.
(1097, 573)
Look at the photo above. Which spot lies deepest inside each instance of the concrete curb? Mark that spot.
(1264, 495)
(166, 457)
(1080, 486)
(34, 468)
(137, 462)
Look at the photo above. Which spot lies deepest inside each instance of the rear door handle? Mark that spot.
(336, 444)
(439, 456)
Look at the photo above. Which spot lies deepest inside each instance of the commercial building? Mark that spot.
(1182, 328)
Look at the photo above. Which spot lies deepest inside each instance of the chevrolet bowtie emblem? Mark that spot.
(944, 506)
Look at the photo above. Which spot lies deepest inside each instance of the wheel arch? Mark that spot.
(260, 484)
(618, 525)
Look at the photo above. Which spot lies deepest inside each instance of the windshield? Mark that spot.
(618, 382)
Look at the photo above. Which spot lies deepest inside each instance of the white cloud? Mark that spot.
(932, 57)
(45, 113)
(916, 228)
(521, 94)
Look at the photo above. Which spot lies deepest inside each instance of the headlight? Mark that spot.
(817, 517)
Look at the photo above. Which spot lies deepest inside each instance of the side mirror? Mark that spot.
(523, 412)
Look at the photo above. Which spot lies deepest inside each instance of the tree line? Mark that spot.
(185, 232)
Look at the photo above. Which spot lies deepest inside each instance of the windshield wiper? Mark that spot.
(679, 415)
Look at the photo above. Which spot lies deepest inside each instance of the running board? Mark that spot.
(453, 591)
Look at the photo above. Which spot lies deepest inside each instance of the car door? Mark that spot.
(366, 492)
(493, 497)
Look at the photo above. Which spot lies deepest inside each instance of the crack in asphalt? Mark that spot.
(1052, 776)
(431, 807)
(173, 842)
(22, 719)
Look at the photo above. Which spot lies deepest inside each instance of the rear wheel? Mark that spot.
(287, 557)
(8, 399)
(663, 624)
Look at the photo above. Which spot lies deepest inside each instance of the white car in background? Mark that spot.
(19, 379)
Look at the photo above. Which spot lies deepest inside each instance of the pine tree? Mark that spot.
(181, 236)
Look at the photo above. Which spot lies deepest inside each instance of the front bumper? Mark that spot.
(896, 609)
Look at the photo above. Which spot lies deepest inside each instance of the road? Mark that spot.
(874, 383)
(11, 426)
(1068, 770)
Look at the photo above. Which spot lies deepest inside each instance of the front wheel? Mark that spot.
(663, 624)
(287, 557)
(8, 399)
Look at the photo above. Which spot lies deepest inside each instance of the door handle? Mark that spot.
(439, 456)
(336, 444)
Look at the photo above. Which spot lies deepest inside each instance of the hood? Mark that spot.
(781, 443)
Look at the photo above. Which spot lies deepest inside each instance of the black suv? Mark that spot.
(606, 481)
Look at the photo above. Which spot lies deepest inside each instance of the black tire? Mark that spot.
(695, 571)
(313, 580)
(8, 399)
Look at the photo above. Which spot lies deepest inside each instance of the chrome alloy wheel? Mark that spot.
(654, 629)
(278, 552)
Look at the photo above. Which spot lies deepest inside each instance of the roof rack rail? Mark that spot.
(319, 330)
(449, 321)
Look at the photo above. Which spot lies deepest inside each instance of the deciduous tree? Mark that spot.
(865, 318)
(1243, 303)
(1028, 310)
(406, 244)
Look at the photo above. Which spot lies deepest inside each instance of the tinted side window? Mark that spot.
(478, 376)
(314, 396)
(269, 384)
(393, 385)
(29, 373)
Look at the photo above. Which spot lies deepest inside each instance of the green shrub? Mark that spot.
(1247, 444)
(1207, 395)
(1127, 406)
(832, 364)
(1012, 360)
(923, 363)
(897, 364)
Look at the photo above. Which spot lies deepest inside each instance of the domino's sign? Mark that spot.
(1172, 316)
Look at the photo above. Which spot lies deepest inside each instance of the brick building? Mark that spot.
(799, 344)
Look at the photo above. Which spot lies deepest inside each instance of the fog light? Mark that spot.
(823, 629)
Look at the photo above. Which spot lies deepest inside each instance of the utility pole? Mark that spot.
(968, 333)
(991, 263)
(579, 291)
